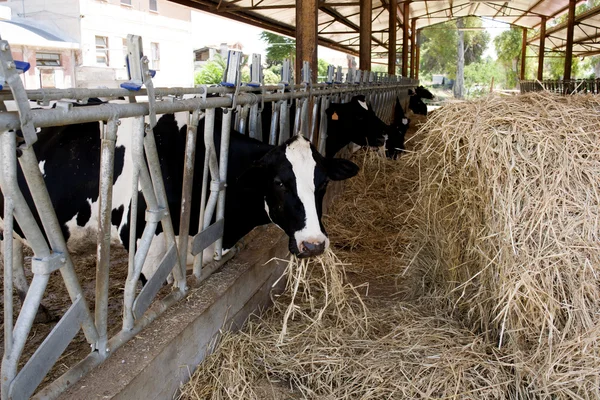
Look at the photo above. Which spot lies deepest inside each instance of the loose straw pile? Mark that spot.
(507, 216)
(322, 340)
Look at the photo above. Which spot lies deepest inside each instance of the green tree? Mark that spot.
(278, 48)
(212, 72)
(479, 76)
(508, 47)
(322, 69)
(439, 48)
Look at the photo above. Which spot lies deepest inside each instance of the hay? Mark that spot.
(508, 231)
(336, 345)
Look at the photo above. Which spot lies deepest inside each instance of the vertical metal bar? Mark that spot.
(274, 123)
(107, 158)
(298, 116)
(8, 274)
(413, 52)
(253, 123)
(209, 126)
(569, 44)
(130, 283)
(186, 191)
(223, 160)
(405, 21)
(315, 112)
(323, 125)
(284, 132)
(306, 36)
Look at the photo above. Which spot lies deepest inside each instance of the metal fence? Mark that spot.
(561, 86)
(47, 242)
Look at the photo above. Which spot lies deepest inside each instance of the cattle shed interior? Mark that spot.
(388, 31)
(465, 265)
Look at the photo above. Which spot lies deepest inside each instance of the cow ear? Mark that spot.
(339, 169)
(254, 178)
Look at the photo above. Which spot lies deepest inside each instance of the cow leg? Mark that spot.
(43, 316)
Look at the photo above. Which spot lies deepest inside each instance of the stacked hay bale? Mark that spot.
(508, 217)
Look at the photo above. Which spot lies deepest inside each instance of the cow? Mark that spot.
(416, 103)
(356, 122)
(352, 122)
(281, 184)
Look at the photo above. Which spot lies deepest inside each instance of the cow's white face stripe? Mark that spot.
(41, 164)
(363, 104)
(299, 154)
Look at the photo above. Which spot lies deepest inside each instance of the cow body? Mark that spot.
(284, 184)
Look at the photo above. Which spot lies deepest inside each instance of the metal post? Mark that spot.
(107, 157)
(413, 52)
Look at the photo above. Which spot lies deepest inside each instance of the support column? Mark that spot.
(405, 21)
(306, 36)
(366, 12)
(523, 54)
(569, 50)
(418, 56)
(392, 35)
(540, 70)
(413, 51)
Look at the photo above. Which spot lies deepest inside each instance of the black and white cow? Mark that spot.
(416, 103)
(284, 184)
(352, 122)
(356, 122)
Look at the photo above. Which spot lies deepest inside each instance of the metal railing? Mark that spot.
(561, 86)
(246, 102)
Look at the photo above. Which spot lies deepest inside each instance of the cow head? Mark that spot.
(352, 122)
(292, 179)
(395, 143)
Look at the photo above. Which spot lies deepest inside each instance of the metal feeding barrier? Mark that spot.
(572, 86)
(242, 105)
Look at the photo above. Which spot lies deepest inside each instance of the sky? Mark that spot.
(204, 26)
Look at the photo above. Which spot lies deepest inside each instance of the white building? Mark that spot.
(93, 34)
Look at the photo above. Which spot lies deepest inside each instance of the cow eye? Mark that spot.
(278, 183)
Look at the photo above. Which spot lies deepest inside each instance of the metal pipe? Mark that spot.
(315, 113)
(8, 293)
(284, 132)
(223, 160)
(107, 157)
(209, 126)
(186, 190)
(254, 121)
(131, 281)
(76, 115)
(323, 125)
(274, 123)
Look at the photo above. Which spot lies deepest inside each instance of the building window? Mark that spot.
(126, 2)
(102, 50)
(155, 53)
(203, 55)
(47, 59)
(153, 4)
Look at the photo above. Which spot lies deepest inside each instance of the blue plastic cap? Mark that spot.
(22, 66)
(131, 86)
(152, 73)
(227, 84)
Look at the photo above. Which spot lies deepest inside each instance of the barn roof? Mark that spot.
(338, 23)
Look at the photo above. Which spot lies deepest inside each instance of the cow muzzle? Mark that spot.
(311, 249)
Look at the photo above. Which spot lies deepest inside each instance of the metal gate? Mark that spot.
(51, 255)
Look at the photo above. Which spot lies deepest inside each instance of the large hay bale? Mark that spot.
(508, 212)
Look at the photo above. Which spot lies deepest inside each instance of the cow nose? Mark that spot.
(310, 249)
